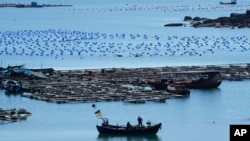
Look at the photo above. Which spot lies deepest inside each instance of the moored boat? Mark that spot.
(16, 70)
(12, 86)
(233, 2)
(197, 79)
(201, 83)
(135, 101)
(178, 89)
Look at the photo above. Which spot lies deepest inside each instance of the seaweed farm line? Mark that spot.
(115, 84)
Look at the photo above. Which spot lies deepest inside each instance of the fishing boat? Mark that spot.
(197, 79)
(12, 86)
(178, 89)
(201, 83)
(106, 128)
(135, 101)
(16, 70)
(233, 2)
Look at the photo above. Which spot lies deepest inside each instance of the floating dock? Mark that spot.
(114, 84)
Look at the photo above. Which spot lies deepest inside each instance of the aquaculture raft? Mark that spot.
(13, 115)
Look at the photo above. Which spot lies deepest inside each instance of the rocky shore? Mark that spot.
(114, 84)
(235, 20)
(32, 5)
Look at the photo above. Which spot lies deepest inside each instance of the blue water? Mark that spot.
(205, 115)
(90, 35)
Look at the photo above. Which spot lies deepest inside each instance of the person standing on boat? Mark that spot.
(139, 119)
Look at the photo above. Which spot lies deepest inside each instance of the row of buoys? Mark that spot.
(58, 43)
(167, 8)
(65, 35)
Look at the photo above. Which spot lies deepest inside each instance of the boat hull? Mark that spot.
(203, 85)
(180, 90)
(120, 130)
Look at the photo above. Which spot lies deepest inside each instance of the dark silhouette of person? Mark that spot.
(128, 125)
(139, 119)
(105, 122)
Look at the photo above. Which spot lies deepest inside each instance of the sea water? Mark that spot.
(91, 34)
(206, 115)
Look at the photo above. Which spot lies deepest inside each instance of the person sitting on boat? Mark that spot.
(139, 119)
(128, 125)
(105, 122)
(148, 123)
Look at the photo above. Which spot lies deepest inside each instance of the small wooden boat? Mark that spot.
(233, 2)
(16, 70)
(158, 85)
(108, 129)
(135, 101)
(105, 128)
(178, 89)
(12, 86)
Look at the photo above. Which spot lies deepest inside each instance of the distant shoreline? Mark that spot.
(32, 5)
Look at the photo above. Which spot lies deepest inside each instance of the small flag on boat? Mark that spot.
(93, 106)
(98, 113)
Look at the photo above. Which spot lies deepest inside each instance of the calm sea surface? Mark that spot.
(205, 115)
(125, 33)
(92, 34)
